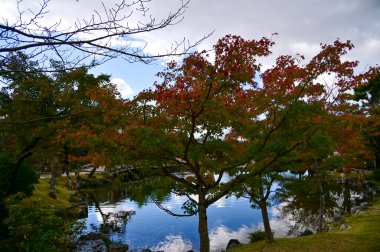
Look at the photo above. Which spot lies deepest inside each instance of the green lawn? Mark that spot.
(363, 235)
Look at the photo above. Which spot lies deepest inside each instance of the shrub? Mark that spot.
(38, 229)
(256, 236)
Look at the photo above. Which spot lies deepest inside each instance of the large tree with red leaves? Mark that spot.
(210, 126)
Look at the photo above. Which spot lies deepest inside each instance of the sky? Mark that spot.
(301, 26)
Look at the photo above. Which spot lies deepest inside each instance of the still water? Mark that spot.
(135, 219)
(147, 226)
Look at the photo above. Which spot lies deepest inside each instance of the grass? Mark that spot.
(363, 235)
(40, 195)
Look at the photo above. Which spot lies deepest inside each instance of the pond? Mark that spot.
(132, 217)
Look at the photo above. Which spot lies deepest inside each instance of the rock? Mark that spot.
(306, 233)
(233, 243)
(97, 245)
(364, 204)
(92, 242)
(119, 247)
(337, 218)
(146, 250)
(344, 226)
(94, 236)
(355, 209)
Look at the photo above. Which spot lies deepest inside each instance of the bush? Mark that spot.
(256, 236)
(376, 174)
(38, 229)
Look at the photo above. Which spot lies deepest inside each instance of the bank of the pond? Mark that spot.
(33, 217)
(362, 235)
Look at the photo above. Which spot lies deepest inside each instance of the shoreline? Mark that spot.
(362, 234)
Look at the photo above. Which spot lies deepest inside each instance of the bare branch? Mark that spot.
(106, 34)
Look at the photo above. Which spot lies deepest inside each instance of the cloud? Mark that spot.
(220, 236)
(173, 243)
(124, 89)
(301, 25)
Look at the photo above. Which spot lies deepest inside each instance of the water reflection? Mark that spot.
(301, 205)
(174, 243)
(133, 218)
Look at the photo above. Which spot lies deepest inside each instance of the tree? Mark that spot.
(369, 92)
(89, 41)
(44, 117)
(184, 128)
(318, 157)
(206, 120)
(87, 135)
(369, 95)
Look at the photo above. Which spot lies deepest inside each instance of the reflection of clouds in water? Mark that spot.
(280, 224)
(99, 217)
(175, 202)
(220, 203)
(226, 202)
(124, 208)
(220, 236)
(173, 243)
(110, 210)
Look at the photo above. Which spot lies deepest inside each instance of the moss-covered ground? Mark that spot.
(41, 195)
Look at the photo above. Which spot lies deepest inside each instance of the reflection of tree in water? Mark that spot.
(114, 221)
(301, 198)
(138, 191)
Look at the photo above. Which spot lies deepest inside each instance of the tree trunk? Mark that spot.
(66, 168)
(346, 198)
(267, 228)
(264, 212)
(204, 245)
(321, 198)
(92, 172)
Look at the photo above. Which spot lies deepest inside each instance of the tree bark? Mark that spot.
(92, 172)
(267, 228)
(204, 245)
(264, 212)
(66, 168)
(346, 198)
(321, 198)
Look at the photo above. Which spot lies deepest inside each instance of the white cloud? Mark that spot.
(301, 25)
(220, 236)
(305, 49)
(124, 89)
(173, 243)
